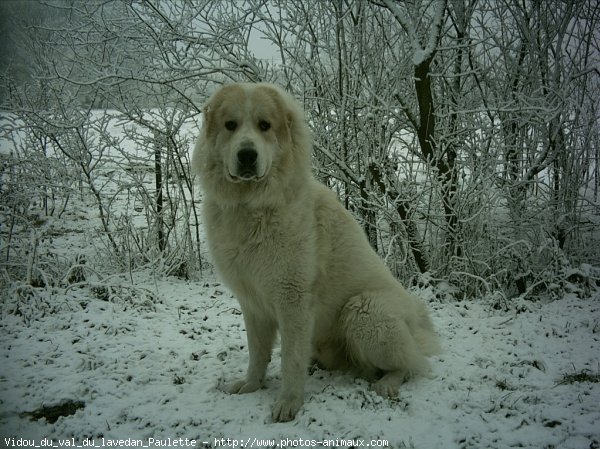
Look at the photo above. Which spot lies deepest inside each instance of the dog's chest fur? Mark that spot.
(240, 228)
(239, 237)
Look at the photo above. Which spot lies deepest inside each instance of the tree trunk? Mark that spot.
(427, 141)
(414, 240)
(158, 183)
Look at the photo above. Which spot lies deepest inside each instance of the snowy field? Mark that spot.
(143, 359)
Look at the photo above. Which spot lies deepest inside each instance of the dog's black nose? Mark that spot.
(247, 157)
(247, 160)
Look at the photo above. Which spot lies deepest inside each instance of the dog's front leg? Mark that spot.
(295, 326)
(260, 331)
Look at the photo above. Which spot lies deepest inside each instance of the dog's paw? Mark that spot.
(286, 407)
(389, 385)
(386, 389)
(243, 386)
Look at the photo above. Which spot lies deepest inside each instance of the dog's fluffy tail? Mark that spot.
(389, 334)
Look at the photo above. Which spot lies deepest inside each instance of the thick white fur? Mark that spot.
(296, 260)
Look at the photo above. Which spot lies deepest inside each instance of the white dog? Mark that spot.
(296, 260)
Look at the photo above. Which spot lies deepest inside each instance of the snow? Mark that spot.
(419, 56)
(420, 53)
(150, 362)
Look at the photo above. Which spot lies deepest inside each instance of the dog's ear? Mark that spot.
(289, 125)
(199, 159)
(212, 104)
(206, 113)
(289, 119)
(296, 124)
(208, 116)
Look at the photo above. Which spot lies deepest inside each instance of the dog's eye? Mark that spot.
(263, 125)
(230, 125)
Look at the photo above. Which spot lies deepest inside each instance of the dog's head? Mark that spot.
(253, 136)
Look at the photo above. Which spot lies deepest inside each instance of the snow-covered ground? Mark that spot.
(148, 360)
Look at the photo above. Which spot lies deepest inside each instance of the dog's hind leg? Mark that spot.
(388, 335)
